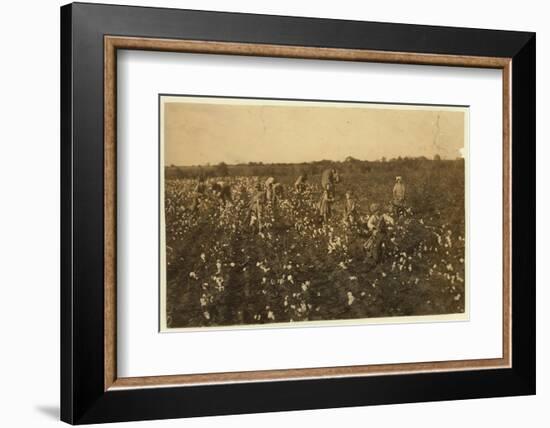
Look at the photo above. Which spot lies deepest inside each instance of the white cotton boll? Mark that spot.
(351, 299)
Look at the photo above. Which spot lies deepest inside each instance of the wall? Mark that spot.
(29, 230)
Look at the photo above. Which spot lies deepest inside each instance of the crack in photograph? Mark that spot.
(278, 213)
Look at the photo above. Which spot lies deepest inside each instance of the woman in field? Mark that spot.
(222, 191)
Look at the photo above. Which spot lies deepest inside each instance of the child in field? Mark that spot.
(274, 190)
(329, 177)
(377, 225)
(350, 209)
(257, 205)
(198, 194)
(399, 196)
(277, 194)
(325, 204)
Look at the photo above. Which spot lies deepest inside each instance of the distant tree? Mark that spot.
(383, 159)
(437, 157)
(179, 173)
(222, 169)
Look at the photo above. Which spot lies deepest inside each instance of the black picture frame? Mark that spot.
(83, 398)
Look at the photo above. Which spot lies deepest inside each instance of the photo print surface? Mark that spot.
(282, 213)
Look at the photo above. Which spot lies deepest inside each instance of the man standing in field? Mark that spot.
(399, 195)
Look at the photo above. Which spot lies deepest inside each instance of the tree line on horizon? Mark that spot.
(349, 165)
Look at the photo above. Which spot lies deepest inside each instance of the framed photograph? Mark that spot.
(265, 213)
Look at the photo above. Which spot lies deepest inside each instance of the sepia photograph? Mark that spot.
(282, 213)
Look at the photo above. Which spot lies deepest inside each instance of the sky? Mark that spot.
(199, 131)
